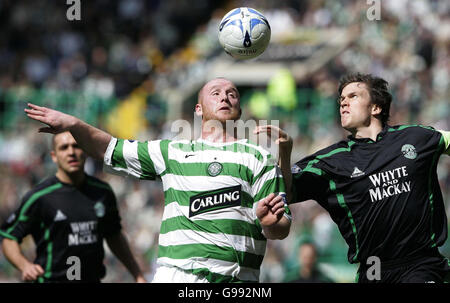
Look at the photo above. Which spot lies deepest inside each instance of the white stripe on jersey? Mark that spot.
(213, 265)
(203, 183)
(154, 149)
(233, 213)
(107, 158)
(271, 174)
(130, 156)
(239, 243)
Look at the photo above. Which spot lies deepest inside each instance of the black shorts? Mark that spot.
(430, 269)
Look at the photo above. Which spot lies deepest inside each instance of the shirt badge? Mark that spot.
(99, 209)
(214, 169)
(409, 151)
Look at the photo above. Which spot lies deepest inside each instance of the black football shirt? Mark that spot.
(383, 195)
(66, 221)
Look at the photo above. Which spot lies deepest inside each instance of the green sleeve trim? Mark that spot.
(30, 201)
(6, 235)
(446, 136)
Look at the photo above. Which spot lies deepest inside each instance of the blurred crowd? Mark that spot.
(121, 61)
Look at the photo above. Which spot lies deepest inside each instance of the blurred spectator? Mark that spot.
(308, 270)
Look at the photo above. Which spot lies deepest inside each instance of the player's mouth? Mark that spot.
(224, 108)
(345, 112)
(74, 162)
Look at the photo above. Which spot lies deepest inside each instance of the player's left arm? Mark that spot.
(272, 217)
(121, 249)
(446, 136)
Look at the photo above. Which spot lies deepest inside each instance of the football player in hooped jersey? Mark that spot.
(68, 216)
(380, 186)
(223, 196)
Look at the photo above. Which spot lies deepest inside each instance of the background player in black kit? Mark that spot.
(379, 186)
(68, 214)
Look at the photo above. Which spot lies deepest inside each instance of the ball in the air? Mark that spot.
(244, 33)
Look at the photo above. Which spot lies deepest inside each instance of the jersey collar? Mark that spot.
(380, 136)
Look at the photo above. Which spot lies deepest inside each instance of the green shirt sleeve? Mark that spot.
(446, 136)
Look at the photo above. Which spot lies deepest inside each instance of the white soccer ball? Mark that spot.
(244, 33)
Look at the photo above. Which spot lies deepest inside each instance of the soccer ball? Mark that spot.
(244, 33)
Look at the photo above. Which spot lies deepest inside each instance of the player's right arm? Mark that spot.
(285, 144)
(13, 254)
(92, 140)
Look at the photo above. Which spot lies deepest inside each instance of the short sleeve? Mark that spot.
(307, 183)
(268, 180)
(143, 160)
(21, 222)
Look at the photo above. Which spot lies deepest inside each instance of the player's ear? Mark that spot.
(53, 155)
(376, 109)
(198, 110)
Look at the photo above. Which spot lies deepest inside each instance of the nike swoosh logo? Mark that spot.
(188, 156)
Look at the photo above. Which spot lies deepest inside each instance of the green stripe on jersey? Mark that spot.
(211, 251)
(5, 235)
(439, 150)
(147, 166)
(118, 159)
(164, 147)
(48, 267)
(22, 217)
(270, 186)
(401, 127)
(219, 226)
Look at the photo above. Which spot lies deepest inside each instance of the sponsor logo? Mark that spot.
(59, 216)
(409, 151)
(219, 199)
(186, 156)
(357, 173)
(214, 169)
(83, 233)
(389, 183)
(99, 209)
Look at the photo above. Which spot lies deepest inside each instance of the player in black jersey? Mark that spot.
(380, 187)
(68, 216)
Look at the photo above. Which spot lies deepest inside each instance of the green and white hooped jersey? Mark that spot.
(209, 226)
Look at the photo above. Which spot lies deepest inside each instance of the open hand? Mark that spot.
(56, 121)
(283, 138)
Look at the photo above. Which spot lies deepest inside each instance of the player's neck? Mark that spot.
(370, 131)
(75, 179)
(217, 133)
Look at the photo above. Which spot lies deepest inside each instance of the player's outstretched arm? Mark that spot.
(270, 212)
(92, 140)
(285, 144)
(30, 271)
(120, 248)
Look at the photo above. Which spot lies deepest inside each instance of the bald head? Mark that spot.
(217, 82)
(218, 100)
